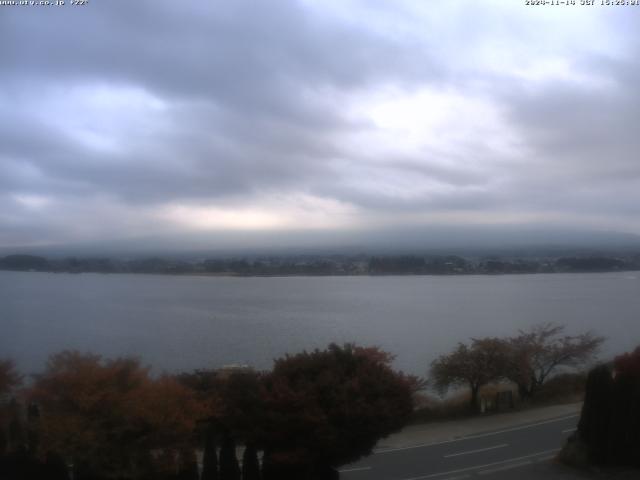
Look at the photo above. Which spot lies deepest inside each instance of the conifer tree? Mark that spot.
(229, 468)
(210, 457)
(250, 464)
(188, 464)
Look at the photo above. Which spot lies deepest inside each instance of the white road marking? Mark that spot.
(355, 469)
(478, 467)
(545, 459)
(569, 430)
(480, 435)
(506, 467)
(476, 451)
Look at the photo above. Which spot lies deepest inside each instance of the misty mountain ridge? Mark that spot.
(467, 241)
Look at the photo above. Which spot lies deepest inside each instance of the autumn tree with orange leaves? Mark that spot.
(106, 416)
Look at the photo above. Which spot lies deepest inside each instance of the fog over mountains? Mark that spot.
(500, 241)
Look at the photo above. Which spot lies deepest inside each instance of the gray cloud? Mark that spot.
(129, 109)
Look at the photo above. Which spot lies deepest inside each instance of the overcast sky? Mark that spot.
(125, 120)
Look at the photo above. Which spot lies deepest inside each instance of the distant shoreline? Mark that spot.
(330, 265)
(333, 275)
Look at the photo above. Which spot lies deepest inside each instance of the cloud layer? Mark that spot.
(128, 119)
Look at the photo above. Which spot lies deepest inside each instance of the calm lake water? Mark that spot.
(180, 322)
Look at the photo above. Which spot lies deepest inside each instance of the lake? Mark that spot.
(179, 323)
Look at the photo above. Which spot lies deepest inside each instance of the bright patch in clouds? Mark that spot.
(274, 213)
(426, 144)
(410, 122)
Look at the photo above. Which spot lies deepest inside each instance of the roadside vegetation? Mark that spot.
(538, 365)
(608, 433)
(111, 419)
(563, 388)
(98, 418)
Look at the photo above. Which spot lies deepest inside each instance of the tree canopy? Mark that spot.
(106, 415)
(474, 365)
(527, 359)
(9, 376)
(534, 354)
(329, 407)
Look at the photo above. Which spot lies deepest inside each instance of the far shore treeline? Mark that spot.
(318, 265)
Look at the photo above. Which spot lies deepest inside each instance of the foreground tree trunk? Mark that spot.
(524, 392)
(273, 470)
(229, 468)
(250, 464)
(188, 465)
(210, 457)
(55, 468)
(473, 402)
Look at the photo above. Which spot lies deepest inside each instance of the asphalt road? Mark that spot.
(522, 452)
